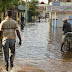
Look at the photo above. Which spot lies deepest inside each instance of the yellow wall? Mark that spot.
(17, 17)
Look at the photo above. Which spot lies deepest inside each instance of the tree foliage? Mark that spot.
(15, 2)
(32, 6)
(5, 4)
(34, 2)
(23, 2)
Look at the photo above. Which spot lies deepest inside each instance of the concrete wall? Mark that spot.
(42, 8)
(60, 0)
(42, 13)
(59, 17)
(53, 15)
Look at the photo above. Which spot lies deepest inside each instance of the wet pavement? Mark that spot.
(40, 50)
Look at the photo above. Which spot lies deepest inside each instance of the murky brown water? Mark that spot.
(40, 50)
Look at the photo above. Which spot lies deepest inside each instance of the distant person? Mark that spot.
(66, 28)
(22, 18)
(45, 17)
(0, 20)
(22, 22)
(8, 27)
(39, 17)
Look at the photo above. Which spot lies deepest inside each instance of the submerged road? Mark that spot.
(40, 50)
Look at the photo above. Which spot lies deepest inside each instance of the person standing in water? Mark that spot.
(9, 27)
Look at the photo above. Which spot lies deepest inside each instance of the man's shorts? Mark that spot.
(63, 38)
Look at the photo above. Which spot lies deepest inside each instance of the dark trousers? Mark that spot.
(39, 19)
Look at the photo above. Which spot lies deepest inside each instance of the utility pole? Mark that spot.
(26, 11)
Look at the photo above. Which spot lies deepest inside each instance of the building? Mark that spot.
(61, 0)
(58, 10)
(42, 9)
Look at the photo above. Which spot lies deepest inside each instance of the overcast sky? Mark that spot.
(45, 1)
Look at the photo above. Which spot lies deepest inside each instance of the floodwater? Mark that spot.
(40, 50)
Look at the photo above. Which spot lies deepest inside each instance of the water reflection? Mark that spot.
(41, 41)
(55, 36)
(67, 55)
(41, 49)
(1, 54)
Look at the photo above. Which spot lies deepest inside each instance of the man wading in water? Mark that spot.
(66, 28)
(8, 27)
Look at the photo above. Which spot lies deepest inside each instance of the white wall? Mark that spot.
(60, 17)
(42, 12)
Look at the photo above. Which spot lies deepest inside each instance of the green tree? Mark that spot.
(17, 2)
(23, 2)
(5, 4)
(35, 2)
(33, 7)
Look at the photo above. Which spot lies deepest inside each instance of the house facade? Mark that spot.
(42, 9)
(59, 9)
(61, 0)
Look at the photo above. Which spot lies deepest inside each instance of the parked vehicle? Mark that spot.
(68, 40)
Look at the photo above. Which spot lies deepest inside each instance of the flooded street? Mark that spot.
(40, 50)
